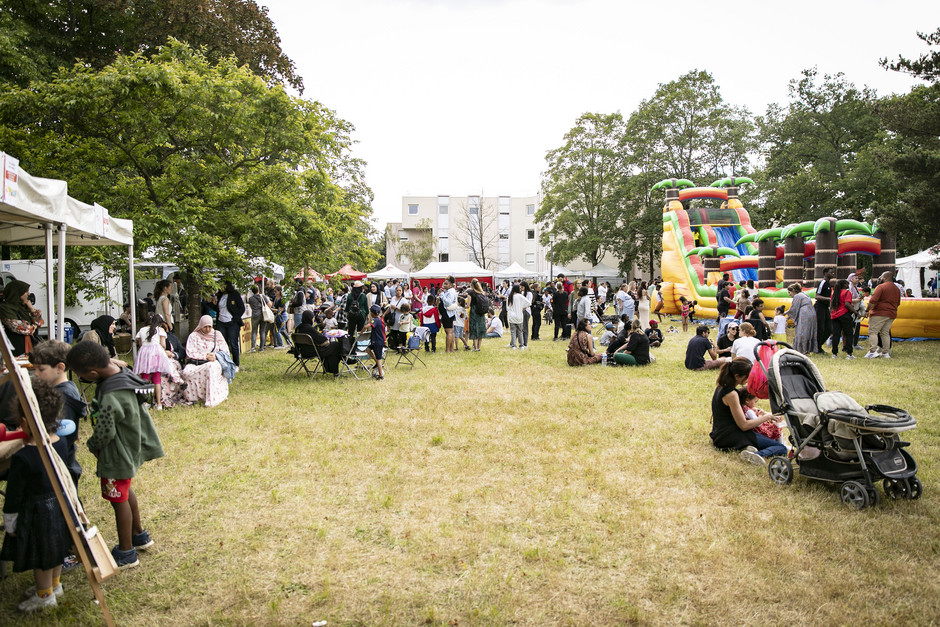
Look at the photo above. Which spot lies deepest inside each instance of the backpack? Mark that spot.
(414, 342)
(298, 301)
(482, 305)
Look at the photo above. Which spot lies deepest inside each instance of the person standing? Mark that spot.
(356, 309)
(843, 324)
(448, 309)
(823, 316)
(231, 310)
(257, 301)
(479, 304)
(559, 310)
(882, 311)
(644, 305)
(537, 305)
(804, 315)
(164, 302)
(515, 313)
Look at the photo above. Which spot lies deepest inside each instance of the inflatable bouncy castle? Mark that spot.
(702, 243)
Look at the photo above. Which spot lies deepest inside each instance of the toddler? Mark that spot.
(753, 412)
(780, 324)
(686, 307)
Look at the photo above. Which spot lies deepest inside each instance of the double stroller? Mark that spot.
(836, 439)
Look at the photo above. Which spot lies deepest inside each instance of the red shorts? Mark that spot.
(115, 490)
(152, 377)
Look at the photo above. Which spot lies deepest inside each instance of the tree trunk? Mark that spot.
(193, 297)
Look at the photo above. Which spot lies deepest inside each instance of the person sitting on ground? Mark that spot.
(608, 334)
(654, 335)
(581, 347)
(494, 327)
(101, 332)
(329, 351)
(731, 430)
(753, 412)
(636, 351)
(725, 342)
(698, 346)
(744, 345)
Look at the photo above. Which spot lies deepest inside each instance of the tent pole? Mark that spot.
(132, 298)
(50, 285)
(60, 286)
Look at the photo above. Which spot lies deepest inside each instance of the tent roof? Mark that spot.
(922, 259)
(457, 269)
(347, 272)
(389, 272)
(602, 270)
(557, 269)
(28, 203)
(311, 274)
(515, 270)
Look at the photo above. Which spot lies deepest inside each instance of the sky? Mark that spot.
(459, 98)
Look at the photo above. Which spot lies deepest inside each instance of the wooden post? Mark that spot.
(846, 266)
(93, 551)
(767, 263)
(885, 261)
(827, 251)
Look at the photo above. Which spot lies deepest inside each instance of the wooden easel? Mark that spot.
(92, 549)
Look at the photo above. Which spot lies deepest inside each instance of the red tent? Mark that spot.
(311, 274)
(347, 273)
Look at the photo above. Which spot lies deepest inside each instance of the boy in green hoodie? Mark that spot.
(124, 438)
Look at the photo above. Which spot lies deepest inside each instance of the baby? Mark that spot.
(753, 412)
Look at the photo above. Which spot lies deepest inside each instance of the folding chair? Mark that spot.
(355, 360)
(304, 352)
(410, 352)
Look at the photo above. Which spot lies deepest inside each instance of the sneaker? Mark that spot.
(69, 563)
(752, 457)
(125, 559)
(834, 355)
(31, 591)
(142, 540)
(850, 356)
(886, 355)
(871, 355)
(35, 603)
(750, 449)
(466, 348)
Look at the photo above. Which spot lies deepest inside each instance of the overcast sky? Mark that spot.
(460, 97)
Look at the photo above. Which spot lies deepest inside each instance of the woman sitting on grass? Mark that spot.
(636, 351)
(731, 430)
(581, 347)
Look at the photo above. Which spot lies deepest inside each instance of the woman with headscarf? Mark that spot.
(101, 332)
(20, 319)
(328, 350)
(802, 313)
(203, 372)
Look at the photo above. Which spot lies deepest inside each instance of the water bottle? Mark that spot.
(604, 359)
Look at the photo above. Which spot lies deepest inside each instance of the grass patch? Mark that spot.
(505, 487)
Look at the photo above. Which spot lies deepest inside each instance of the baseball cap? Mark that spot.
(375, 309)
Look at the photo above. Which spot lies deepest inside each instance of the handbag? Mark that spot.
(266, 313)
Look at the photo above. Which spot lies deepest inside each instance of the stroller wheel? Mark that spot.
(895, 489)
(915, 489)
(780, 470)
(854, 495)
(874, 497)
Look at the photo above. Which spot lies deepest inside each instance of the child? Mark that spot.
(376, 347)
(37, 536)
(608, 334)
(123, 439)
(780, 324)
(460, 321)
(431, 318)
(692, 311)
(406, 322)
(753, 412)
(151, 356)
(48, 360)
(685, 313)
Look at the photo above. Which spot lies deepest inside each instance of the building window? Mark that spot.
(504, 236)
(444, 257)
(504, 205)
(530, 259)
(530, 210)
(473, 205)
(442, 209)
(412, 210)
(402, 237)
(530, 234)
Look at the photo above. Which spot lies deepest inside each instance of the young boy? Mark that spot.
(124, 438)
(48, 360)
(377, 340)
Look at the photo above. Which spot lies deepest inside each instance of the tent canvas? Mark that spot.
(311, 274)
(909, 269)
(347, 273)
(602, 271)
(515, 271)
(458, 269)
(389, 272)
(557, 269)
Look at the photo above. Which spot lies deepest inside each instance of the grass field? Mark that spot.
(504, 487)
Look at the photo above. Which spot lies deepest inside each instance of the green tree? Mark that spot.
(419, 252)
(214, 165)
(914, 154)
(39, 36)
(819, 153)
(582, 190)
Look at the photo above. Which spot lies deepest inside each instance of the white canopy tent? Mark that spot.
(515, 271)
(909, 269)
(31, 208)
(456, 269)
(388, 272)
(602, 271)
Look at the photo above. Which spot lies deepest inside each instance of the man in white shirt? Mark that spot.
(622, 298)
(449, 303)
(494, 328)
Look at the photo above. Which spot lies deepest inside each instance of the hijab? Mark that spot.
(102, 326)
(11, 308)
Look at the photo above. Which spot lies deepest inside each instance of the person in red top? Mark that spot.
(431, 318)
(882, 310)
(843, 324)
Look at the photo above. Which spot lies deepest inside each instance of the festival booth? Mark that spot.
(515, 271)
(556, 269)
(387, 273)
(309, 274)
(602, 272)
(347, 273)
(435, 273)
(909, 269)
(32, 209)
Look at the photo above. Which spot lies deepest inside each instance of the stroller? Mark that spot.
(836, 439)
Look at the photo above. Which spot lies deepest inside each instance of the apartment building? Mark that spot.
(491, 231)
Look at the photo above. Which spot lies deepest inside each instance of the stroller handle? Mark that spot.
(757, 358)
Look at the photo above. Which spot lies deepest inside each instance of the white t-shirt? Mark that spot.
(496, 326)
(602, 293)
(780, 324)
(744, 347)
(142, 336)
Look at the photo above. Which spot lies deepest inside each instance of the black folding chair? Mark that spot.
(304, 352)
(355, 361)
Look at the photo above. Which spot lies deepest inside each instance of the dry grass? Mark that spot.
(504, 487)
